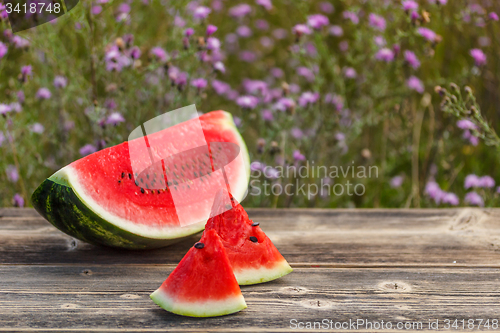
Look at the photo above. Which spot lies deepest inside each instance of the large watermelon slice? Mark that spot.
(99, 199)
(203, 284)
(252, 255)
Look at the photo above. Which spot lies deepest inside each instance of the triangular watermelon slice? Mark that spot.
(203, 284)
(252, 255)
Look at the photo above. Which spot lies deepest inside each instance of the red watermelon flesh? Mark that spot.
(203, 284)
(105, 182)
(252, 255)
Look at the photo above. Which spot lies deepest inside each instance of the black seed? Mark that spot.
(175, 175)
(195, 174)
(169, 184)
(254, 239)
(182, 166)
(147, 176)
(142, 180)
(255, 224)
(158, 191)
(123, 174)
(199, 245)
(129, 176)
(142, 190)
(175, 166)
(119, 181)
(201, 174)
(147, 186)
(136, 183)
(175, 182)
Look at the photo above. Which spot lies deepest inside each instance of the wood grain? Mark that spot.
(391, 265)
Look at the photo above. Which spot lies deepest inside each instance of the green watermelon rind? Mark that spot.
(59, 203)
(263, 274)
(202, 309)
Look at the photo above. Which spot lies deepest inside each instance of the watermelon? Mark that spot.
(101, 200)
(252, 255)
(203, 284)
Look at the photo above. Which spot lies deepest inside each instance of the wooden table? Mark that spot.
(398, 266)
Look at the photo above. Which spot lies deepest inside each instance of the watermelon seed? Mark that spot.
(129, 176)
(158, 191)
(142, 180)
(142, 190)
(175, 182)
(255, 224)
(119, 181)
(254, 239)
(199, 245)
(182, 166)
(123, 174)
(147, 176)
(195, 174)
(136, 183)
(147, 186)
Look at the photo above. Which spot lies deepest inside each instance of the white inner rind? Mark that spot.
(67, 176)
(262, 274)
(207, 308)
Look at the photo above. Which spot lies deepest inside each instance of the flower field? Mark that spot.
(344, 104)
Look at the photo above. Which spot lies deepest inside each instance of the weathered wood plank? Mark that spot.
(331, 238)
(116, 297)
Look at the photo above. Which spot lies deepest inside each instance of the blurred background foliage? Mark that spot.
(336, 83)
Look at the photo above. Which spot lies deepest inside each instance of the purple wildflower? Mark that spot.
(350, 73)
(306, 73)
(261, 24)
(201, 12)
(240, 10)
(267, 115)
(16, 106)
(60, 81)
(414, 83)
(135, 52)
(409, 5)
(474, 199)
(450, 198)
(257, 166)
(376, 21)
(433, 190)
(412, 59)
(427, 34)
(159, 53)
(336, 30)
(19, 42)
(471, 181)
(213, 43)
(265, 3)
(37, 128)
(379, 41)
(115, 118)
(396, 182)
(124, 8)
(486, 182)
(12, 173)
(493, 16)
(479, 56)
(247, 56)
(189, 32)
(18, 200)
(179, 22)
(308, 98)
(271, 173)
(297, 133)
(326, 7)
(87, 150)
(298, 156)
(301, 29)
(317, 21)
(352, 16)
(247, 101)
(340, 136)
(3, 50)
(466, 124)
(199, 83)
(26, 71)
(4, 109)
(3, 138)
(284, 104)
(280, 33)
(211, 29)
(220, 87)
(277, 72)
(96, 10)
(219, 66)
(244, 31)
(385, 54)
(43, 93)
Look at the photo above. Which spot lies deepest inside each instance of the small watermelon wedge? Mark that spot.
(203, 284)
(252, 255)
